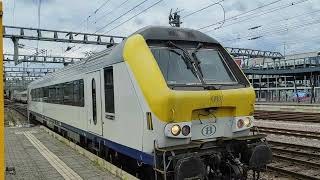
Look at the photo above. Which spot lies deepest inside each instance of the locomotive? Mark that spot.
(165, 103)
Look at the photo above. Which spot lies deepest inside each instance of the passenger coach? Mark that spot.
(165, 103)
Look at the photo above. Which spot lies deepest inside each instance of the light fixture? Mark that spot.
(186, 130)
(175, 130)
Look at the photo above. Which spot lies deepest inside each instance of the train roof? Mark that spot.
(21, 92)
(114, 54)
(166, 33)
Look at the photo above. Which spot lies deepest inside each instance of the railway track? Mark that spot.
(287, 116)
(22, 110)
(301, 162)
(18, 107)
(289, 132)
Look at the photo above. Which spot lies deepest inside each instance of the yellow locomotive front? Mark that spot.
(201, 105)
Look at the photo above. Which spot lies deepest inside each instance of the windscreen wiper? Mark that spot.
(196, 60)
(188, 61)
(192, 65)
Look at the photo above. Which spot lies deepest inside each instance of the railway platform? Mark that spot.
(31, 153)
(288, 107)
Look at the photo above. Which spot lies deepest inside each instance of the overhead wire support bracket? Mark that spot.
(40, 59)
(252, 53)
(60, 36)
(36, 70)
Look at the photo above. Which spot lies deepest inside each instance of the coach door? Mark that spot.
(94, 102)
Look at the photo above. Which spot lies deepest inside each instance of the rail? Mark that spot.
(289, 132)
(287, 116)
(302, 162)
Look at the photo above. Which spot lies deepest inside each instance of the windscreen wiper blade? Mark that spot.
(188, 61)
(197, 61)
(191, 65)
(188, 64)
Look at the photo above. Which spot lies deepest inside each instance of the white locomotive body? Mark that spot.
(162, 100)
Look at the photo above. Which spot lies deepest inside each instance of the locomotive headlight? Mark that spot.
(175, 130)
(247, 122)
(242, 123)
(178, 130)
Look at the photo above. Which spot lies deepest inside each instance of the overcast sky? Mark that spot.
(293, 25)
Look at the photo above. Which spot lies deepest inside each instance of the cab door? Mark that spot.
(93, 105)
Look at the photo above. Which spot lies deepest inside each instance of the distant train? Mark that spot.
(166, 103)
(21, 97)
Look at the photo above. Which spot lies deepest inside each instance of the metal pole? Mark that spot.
(2, 163)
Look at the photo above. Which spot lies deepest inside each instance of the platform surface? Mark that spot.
(34, 154)
(288, 107)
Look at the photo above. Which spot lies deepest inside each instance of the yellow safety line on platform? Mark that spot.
(94, 158)
(65, 171)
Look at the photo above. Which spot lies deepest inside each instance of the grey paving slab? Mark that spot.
(21, 154)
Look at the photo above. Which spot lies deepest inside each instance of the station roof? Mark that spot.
(282, 71)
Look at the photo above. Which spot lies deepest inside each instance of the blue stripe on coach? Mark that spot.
(133, 153)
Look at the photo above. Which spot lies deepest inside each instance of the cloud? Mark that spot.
(239, 6)
(138, 21)
(73, 15)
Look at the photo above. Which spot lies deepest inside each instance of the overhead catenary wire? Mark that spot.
(102, 5)
(133, 9)
(145, 1)
(268, 28)
(224, 16)
(123, 14)
(210, 5)
(94, 12)
(134, 16)
(285, 19)
(272, 8)
(261, 14)
(117, 18)
(277, 31)
(86, 21)
(238, 15)
(109, 12)
(275, 27)
(91, 14)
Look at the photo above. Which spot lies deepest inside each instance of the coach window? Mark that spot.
(68, 93)
(76, 97)
(81, 93)
(52, 94)
(94, 102)
(37, 94)
(59, 94)
(45, 94)
(40, 95)
(108, 90)
(32, 95)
